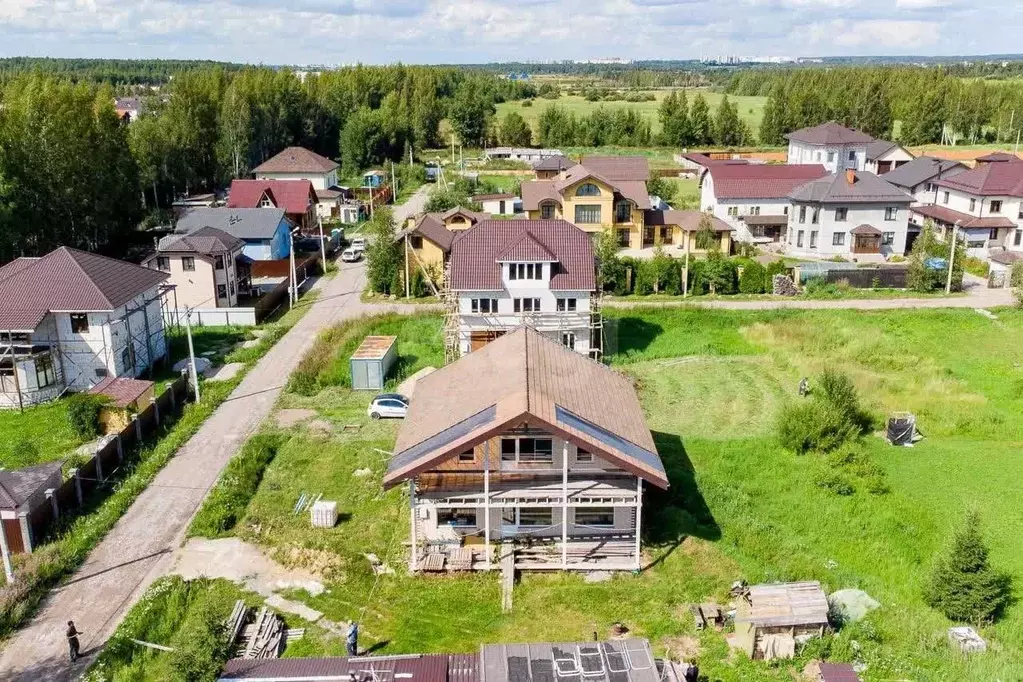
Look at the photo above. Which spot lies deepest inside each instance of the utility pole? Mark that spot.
(952, 257)
(323, 245)
(191, 354)
(685, 275)
(452, 149)
(1015, 150)
(292, 288)
(407, 289)
(394, 184)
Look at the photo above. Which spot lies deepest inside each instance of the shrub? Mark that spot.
(818, 287)
(236, 487)
(527, 103)
(834, 481)
(200, 648)
(777, 267)
(928, 263)
(1016, 281)
(963, 586)
(83, 414)
(813, 424)
(838, 389)
(753, 279)
(721, 274)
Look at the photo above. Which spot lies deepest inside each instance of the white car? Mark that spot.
(388, 405)
(358, 243)
(351, 255)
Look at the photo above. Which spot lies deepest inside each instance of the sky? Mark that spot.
(335, 32)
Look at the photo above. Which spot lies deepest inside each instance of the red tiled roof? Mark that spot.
(949, 216)
(829, 133)
(997, 157)
(618, 168)
(70, 280)
(296, 160)
(493, 197)
(294, 196)
(988, 179)
(475, 252)
(527, 248)
(761, 181)
(688, 221)
(535, 192)
(122, 391)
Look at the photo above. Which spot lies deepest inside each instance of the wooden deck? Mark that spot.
(613, 552)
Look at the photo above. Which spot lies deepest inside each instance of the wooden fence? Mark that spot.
(106, 464)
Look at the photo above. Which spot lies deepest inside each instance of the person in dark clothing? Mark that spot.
(352, 640)
(72, 641)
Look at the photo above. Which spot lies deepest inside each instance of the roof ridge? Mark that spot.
(68, 250)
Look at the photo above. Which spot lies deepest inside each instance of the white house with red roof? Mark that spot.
(985, 202)
(296, 197)
(754, 198)
(70, 319)
(299, 163)
(836, 147)
(508, 273)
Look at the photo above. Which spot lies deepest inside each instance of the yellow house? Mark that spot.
(680, 229)
(599, 193)
(428, 238)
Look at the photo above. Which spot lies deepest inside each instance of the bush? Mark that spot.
(527, 103)
(963, 586)
(236, 487)
(201, 648)
(83, 414)
(813, 425)
(834, 481)
(1016, 282)
(25, 452)
(753, 279)
(721, 273)
(925, 270)
(777, 267)
(838, 389)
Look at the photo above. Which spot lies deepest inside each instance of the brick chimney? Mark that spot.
(850, 175)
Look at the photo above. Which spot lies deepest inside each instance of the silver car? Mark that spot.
(393, 405)
(351, 255)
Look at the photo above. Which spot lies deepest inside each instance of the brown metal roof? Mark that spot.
(866, 230)
(206, 241)
(527, 249)
(493, 197)
(944, 214)
(524, 377)
(535, 192)
(374, 347)
(772, 220)
(920, 170)
(838, 672)
(555, 163)
(122, 391)
(1004, 257)
(829, 133)
(296, 160)
(998, 157)
(69, 280)
(688, 221)
(430, 226)
(475, 253)
(414, 667)
(619, 168)
(761, 181)
(989, 179)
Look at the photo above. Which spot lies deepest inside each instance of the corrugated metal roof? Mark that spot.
(761, 181)
(475, 254)
(966, 221)
(294, 196)
(122, 391)
(838, 672)
(243, 223)
(374, 347)
(414, 668)
(619, 168)
(207, 240)
(920, 170)
(628, 660)
(865, 188)
(688, 221)
(989, 179)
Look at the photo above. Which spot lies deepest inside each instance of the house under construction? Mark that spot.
(71, 318)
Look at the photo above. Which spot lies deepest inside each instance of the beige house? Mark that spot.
(206, 267)
(428, 237)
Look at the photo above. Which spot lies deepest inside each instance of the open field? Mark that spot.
(751, 109)
(711, 383)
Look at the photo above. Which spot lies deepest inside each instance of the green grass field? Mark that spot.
(751, 109)
(711, 383)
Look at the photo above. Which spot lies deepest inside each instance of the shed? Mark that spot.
(374, 179)
(124, 397)
(371, 362)
(22, 491)
(772, 619)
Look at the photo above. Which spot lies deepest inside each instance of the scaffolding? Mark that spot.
(74, 360)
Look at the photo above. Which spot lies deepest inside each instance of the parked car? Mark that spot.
(388, 405)
(351, 255)
(358, 243)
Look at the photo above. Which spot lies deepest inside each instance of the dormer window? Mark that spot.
(588, 190)
(266, 202)
(530, 271)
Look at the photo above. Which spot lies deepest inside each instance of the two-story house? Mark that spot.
(265, 232)
(428, 237)
(598, 193)
(835, 146)
(72, 318)
(506, 273)
(296, 197)
(527, 453)
(753, 198)
(299, 163)
(205, 267)
(853, 214)
(986, 203)
(919, 177)
(884, 156)
(551, 166)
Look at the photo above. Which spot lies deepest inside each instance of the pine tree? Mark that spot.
(963, 585)
(728, 129)
(700, 123)
(674, 117)
(515, 131)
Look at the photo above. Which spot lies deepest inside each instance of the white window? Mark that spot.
(527, 450)
(527, 305)
(733, 211)
(587, 214)
(996, 207)
(188, 263)
(891, 213)
(887, 238)
(566, 305)
(831, 157)
(536, 517)
(815, 217)
(265, 202)
(79, 323)
(46, 375)
(838, 239)
(532, 271)
(944, 198)
(462, 518)
(163, 263)
(799, 239)
(754, 210)
(813, 239)
(973, 205)
(568, 339)
(484, 305)
(841, 214)
(595, 516)
(802, 214)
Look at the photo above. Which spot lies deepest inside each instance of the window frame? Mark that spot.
(589, 458)
(79, 323)
(588, 214)
(518, 305)
(887, 238)
(567, 305)
(802, 214)
(842, 214)
(579, 191)
(813, 239)
(46, 374)
(415, 242)
(838, 239)
(456, 513)
(221, 291)
(476, 306)
(973, 204)
(618, 211)
(595, 511)
(799, 239)
(547, 210)
(733, 211)
(544, 514)
(218, 263)
(163, 263)
(944, 197)
(891, 213)
(568, 340)
(995, 206)
(533, 458)
(188, 263)
(467, 455)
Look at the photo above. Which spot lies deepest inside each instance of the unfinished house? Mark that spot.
(72, 318)
(771, 620)
(528, 454)
(507, 273)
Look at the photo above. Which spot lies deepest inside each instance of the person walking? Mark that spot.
(352, 640)
(72, 641)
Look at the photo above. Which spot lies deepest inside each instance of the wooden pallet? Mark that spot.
(433, 562)
(461, 559)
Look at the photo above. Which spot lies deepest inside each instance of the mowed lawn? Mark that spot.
(751, 109)
(711, 383)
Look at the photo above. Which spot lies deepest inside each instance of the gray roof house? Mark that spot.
(918, 177)
(849, 187)
(265, 231)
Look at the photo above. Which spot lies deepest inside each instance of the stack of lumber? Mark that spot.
(236, 621)
(265, 637)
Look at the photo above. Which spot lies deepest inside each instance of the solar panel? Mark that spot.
(591, 662)
(445, 437)
(566, 664)
(639, 655)
(518, 669)
(616, 660)
(607, 438)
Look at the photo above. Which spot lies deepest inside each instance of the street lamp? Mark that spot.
(952, 257)
(293, 275)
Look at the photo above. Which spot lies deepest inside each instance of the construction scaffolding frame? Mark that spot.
(72, 360)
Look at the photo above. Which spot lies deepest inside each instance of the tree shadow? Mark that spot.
(626, 335)
(670, 516)
(375, 648)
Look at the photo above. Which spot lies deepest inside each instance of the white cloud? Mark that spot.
(874, 33)
(923, 4)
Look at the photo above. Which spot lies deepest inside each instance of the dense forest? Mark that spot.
(116, 72)
(71, 173)
(927, 103)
